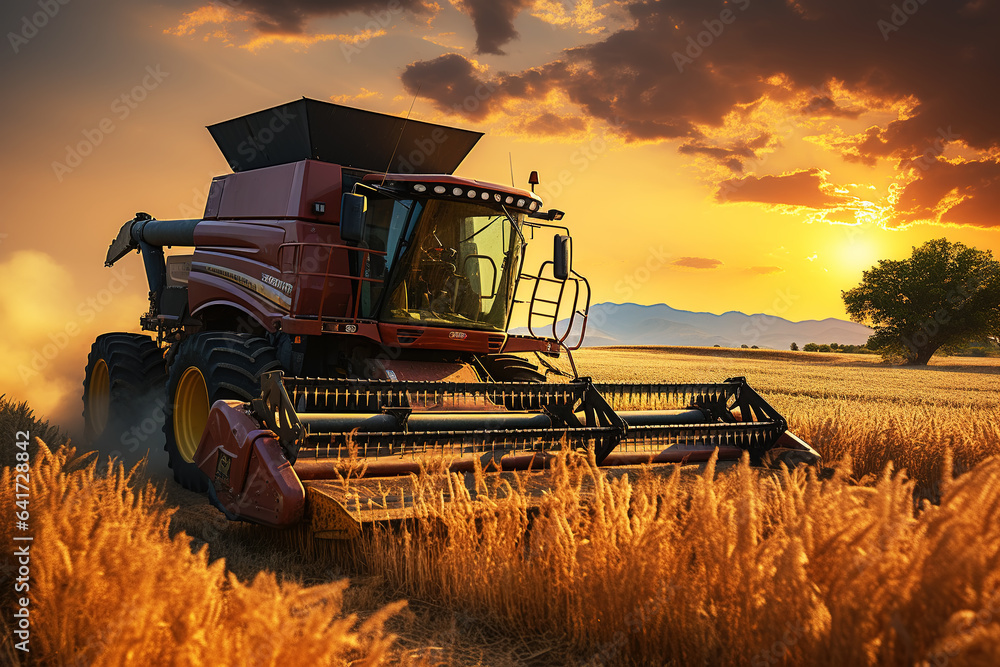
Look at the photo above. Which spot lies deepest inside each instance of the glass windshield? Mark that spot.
(448, 263)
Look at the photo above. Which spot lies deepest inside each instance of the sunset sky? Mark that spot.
(747, 155)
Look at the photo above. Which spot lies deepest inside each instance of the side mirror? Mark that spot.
(562, 257)
(352, 217)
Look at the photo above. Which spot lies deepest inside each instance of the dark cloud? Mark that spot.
(941, 55)
(493, 19)
(494, 22)
(454, 85)
(824, 105)
(551, 124)
(685, 64)
(731, 156)
(802, 188)
(278, 16)
(697, 263)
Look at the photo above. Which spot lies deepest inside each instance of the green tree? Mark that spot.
(810, 347)
(794, 347)
(944, 296)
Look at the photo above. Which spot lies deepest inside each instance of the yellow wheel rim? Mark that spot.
(190, 412)
(99, 398)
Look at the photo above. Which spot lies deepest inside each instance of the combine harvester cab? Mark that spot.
(340, 325)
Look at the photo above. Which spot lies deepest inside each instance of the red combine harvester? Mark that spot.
(338, 318)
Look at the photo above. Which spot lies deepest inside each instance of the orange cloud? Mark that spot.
(208, 15)
(261, 41)
(807, 188)
(962, 193)
(444, 39)
(697, 263)
(583, 15)
(363, 94)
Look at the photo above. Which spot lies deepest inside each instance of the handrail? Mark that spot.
(585, 314)
(576, 279)
(357, 280)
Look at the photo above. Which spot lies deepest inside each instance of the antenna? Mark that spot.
(511, 160)
(399, 138)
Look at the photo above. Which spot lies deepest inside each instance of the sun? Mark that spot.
(858, 251)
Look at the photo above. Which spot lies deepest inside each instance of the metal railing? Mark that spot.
(357, 281)
(538, 306)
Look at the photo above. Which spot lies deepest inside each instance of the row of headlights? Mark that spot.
(472, 193)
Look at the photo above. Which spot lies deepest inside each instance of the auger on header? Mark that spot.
(335, 318)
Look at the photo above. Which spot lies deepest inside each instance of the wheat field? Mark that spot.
(873, 566)
(846, 405)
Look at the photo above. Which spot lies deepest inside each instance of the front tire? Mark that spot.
(208, 367)
(510, 368)
(122, 371)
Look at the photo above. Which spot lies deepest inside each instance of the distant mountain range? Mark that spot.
(632, 324)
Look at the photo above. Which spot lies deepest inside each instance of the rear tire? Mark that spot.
(208, 367)
(123, 369)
